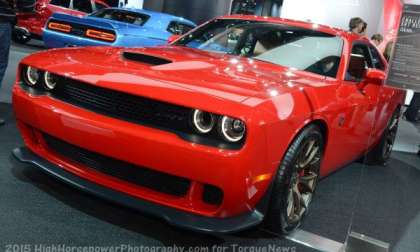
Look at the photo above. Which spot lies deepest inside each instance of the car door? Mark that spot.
(385, 108)
(358, 119)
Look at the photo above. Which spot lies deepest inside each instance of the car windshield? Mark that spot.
(122, 16)
(294, 47)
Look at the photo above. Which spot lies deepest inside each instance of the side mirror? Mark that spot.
(372, 76)
(375, 76)
(173, 38)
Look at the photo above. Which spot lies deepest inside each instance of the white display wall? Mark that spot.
(335, 13)
(131, 3)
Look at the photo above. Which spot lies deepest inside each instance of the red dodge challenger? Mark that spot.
(229, 126)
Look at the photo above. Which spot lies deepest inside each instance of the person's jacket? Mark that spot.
(8, 9)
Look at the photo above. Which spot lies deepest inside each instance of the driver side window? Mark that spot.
(361, 51)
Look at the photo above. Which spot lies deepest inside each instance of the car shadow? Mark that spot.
(31, 45)
(109, 212)
(132, 220)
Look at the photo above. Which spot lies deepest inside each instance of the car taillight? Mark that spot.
(101, 35)
(59, 27)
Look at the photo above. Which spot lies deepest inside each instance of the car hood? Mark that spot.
(224, 76)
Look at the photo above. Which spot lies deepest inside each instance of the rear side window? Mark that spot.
(179, 28)
(362, 49)
(122, 16)
(82, 5)
(359, 50)
(376, 58)
(61, 3)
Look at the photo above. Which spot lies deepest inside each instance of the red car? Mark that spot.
(31, 24)
(228, 126)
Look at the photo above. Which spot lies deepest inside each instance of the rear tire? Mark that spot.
(381, 153)
(20, 36)
(296, 181)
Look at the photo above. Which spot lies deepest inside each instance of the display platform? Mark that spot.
(370, 200)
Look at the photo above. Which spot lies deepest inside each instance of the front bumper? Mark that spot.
(243, 175)
(172, 216)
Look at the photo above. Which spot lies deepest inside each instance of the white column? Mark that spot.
(138, 4)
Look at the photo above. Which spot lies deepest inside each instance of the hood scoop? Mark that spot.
(146, 59)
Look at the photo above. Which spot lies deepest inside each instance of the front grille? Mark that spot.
(124, 106)
(122, 170)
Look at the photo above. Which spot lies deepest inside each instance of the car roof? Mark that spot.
(155, 13)
(302, 24)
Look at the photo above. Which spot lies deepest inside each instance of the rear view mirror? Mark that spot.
(357, 66)
(173, 38)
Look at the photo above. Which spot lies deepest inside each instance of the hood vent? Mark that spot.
(146, 59)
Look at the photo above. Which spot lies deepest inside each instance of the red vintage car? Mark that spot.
(228, 126)
(31, 24)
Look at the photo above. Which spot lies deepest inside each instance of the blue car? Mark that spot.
(114, 27)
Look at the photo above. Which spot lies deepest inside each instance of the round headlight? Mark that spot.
(50, 81)
(31, 76)
(203, 121)
(232, 129)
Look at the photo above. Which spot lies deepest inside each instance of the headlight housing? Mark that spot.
(31, 75)
(233, 130)
(203, 122)
(50, 81)
(228, 129)
(38, 79)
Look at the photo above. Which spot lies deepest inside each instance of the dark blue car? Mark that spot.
(114, 27)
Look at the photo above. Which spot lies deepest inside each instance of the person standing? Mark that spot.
(358, 26)
(412, 112)
(388, 50)
(377, 39)
(7, 21)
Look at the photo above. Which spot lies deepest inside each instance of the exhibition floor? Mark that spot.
(36, 209)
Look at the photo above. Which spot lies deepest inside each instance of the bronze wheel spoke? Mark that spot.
(297, 204)
(308, 182)
(308, 159)
(304, 180)
(311, 145)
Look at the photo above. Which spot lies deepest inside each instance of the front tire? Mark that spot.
(296, 181)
